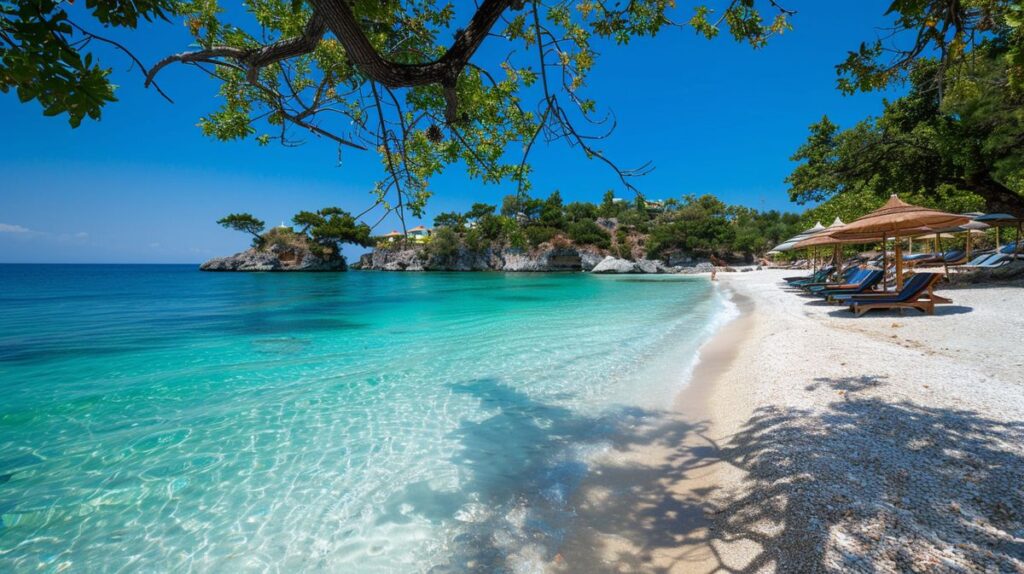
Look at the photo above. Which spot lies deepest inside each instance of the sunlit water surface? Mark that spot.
(155, 418)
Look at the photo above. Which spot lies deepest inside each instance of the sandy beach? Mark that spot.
(810, 440)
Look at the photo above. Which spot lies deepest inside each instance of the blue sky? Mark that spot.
(144, 185)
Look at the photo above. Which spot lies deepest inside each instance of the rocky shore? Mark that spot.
(544, 258)
(276, 258)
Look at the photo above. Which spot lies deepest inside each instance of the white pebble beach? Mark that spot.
(811, 440)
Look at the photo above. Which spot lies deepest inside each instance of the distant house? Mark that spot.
(419, 234)
(656, 205)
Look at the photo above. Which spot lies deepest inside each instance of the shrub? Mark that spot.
(444, 244)
(586, 232)
(515, 238)
(475, 240)
(491, 226)
(537, 234)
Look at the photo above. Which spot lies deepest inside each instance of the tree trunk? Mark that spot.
(998, 198)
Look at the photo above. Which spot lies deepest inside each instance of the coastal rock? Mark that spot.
(394, 260)
(680, 259)
(614, 265)
(275, 258)
(702, 267)
(545, 258)
(589, 260)
(649, 266)
(465, 260)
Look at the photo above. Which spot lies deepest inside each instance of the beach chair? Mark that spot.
(850, 279)
(868, 281)
(917, 293)
(954, 257)
(818, 277)
(922, 259)
(990, 261)
(978, 258)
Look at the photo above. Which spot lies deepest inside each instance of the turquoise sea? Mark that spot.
(160, 419)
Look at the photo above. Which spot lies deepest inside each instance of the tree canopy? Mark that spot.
(327, 227)
(402, 77)
(958, 130)
(245, 223)
(395, 76)
(332, 225)
(691, 224)
(969, 138)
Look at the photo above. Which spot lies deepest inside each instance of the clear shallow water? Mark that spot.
(155, 418)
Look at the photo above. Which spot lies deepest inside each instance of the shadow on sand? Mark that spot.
(940, 310)
(862, 485)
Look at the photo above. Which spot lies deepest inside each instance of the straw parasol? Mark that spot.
(790, 244)
(899, 219)
(824, 237)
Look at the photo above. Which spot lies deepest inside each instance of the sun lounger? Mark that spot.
(818, 277)
(917, 293)
(922, 259)
(869, 280)
(995, 260)
(919, 257)
(851, 278)
(978, 259)
(954, 257)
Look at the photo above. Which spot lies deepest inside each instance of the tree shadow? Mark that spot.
(519, 468)
(847, 384)
(863, 484)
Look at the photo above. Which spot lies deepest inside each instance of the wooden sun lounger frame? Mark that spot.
(924, 301)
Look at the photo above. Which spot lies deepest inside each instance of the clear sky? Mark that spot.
(144, 185)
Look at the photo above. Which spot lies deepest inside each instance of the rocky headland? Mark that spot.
(544, 258)
(280, 252)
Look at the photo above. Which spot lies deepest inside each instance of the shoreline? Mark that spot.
(715, 357)
(809, 440)
(630, 473)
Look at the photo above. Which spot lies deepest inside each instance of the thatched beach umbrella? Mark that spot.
(899, 219)
(824, 237)
(790, 244)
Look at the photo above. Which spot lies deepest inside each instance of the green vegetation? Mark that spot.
(321, 231)
(955, 140)
(694, 225)
(387, 76)
(588, 232)
(245, 223)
